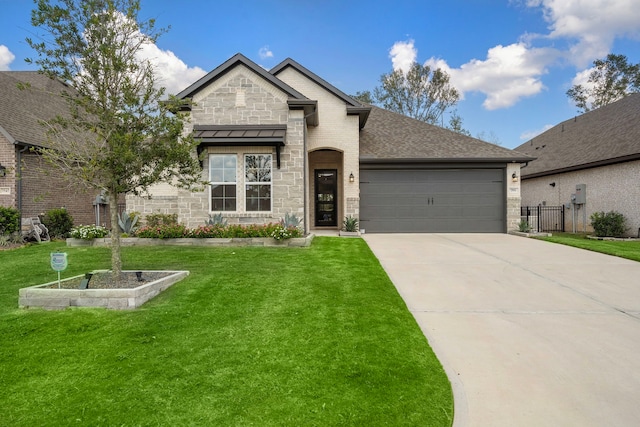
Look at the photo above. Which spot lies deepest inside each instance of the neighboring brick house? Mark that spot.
(286, 141)
(600, 149)
(25, 183)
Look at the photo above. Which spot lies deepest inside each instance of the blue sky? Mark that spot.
(512, 60)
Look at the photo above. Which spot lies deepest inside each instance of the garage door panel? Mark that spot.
(460, 200)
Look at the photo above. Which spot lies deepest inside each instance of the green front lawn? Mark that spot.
(254, 336)
(623, 249)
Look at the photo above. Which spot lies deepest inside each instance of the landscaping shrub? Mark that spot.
(9, 220)
(88, 232)
(59, 222)
(610, 224)
(163, 231)
(218, 231)
(155, 220)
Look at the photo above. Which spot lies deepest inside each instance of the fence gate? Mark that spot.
(543, 218)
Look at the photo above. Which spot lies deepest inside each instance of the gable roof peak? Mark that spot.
(354, 107)
(229, 64)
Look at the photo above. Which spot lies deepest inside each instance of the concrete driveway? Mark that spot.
(530, 333)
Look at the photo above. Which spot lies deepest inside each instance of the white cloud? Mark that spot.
(265, 52)
(592, 25)
(6, 58)
(171, 71)
(530, 134)
(508, 74)
(402, 55)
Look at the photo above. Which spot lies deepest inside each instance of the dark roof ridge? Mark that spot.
(226, 66)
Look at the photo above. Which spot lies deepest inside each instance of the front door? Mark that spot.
(326, 181)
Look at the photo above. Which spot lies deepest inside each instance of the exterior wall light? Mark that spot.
(3, 171)
(514, 177)
(351, 177)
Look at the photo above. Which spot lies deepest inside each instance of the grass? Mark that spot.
(624, 249)
(254, 336)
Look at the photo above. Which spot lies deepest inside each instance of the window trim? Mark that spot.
(247, 182)
(211, 183)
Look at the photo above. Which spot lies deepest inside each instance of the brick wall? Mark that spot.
(613, 187)
(43, 189)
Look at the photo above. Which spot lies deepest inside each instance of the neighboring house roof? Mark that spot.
(22, 110)
(607, 135)
(393, 137)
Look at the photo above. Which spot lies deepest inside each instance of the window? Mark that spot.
(257, 170)
(222, 175)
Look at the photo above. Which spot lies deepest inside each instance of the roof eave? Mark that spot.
(309, 107)
(374, 160)
(607, 162)
(362, 113)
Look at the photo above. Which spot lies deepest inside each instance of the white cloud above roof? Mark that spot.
(508, 74)
(403, 54)
(265, 52)
(512, 72)
(6, 58)
(592, 25)
(171, 71)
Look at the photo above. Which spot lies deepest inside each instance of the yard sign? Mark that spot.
(59, 263)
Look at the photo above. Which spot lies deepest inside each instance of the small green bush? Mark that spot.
(127, 222)
(290, 221)
(523, 226)
(350, 224)
(155, 220)
(216, 219)
(610, 224)
(59, 222)
(9, 220)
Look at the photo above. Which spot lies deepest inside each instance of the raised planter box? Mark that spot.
(349, 233)
(141, 241)
(115, 299)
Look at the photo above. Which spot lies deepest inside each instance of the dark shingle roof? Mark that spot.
(608, 135)
(389, 136)
(21, 110)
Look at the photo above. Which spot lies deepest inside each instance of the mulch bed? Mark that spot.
(104, 280)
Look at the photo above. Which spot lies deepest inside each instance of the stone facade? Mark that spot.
(514, 198)
(240, 98)
(613, 187)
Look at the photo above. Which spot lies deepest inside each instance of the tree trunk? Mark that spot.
(116, 261)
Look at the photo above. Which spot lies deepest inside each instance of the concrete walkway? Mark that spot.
(530, 333)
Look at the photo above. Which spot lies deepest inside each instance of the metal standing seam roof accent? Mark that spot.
(241, 133)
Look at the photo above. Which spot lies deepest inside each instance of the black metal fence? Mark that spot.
(544, 218)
